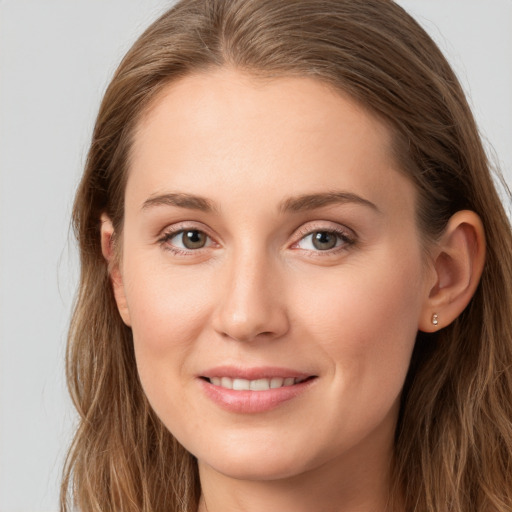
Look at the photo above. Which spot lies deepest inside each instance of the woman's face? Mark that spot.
(270, 243)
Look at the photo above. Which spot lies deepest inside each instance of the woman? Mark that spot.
(296, 270)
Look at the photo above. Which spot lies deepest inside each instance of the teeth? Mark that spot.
(254, 385)
(241, 384)
(276, 382)
(259, 385)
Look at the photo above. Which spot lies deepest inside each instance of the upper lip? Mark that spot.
(254, 373)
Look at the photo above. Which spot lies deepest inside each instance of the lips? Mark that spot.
(254, 390)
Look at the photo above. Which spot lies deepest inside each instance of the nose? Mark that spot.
(252, 300)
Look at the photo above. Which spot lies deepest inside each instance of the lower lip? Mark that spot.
(247, 402)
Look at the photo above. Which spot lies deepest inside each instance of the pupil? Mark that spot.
(194, 239)
(324, 240)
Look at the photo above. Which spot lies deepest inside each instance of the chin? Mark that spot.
(258, 460)
(256, 469)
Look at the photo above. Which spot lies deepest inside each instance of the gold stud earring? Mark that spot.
(435, 319)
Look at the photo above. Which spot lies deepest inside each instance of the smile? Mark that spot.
(254, 390)
(255, 385)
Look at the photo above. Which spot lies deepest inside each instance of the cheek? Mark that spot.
(167, 308)
(168, 311)
(366, 318)
(365, 327)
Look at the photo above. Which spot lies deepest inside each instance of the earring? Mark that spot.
(435, 319)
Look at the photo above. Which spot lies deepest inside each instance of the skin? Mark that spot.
(260, 293)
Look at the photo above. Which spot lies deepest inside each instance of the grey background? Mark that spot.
(56, 58)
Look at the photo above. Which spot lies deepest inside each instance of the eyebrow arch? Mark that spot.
(180, 200)
(312, 201)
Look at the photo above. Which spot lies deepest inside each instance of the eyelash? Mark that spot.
(173, 232)
(346, 240)
(343, 236)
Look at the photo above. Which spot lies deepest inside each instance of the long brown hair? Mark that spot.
(453, 445)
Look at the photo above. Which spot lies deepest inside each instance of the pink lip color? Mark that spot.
(263, 372)
(247, 401)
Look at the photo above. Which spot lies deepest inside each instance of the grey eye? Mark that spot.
(324, 240)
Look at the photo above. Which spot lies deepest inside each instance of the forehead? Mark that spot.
(225, 128)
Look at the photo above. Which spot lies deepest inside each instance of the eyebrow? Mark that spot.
(312, 201)
(180, 200)
(294, 204)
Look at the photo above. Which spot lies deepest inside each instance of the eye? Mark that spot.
(187, 239)
(324, 240)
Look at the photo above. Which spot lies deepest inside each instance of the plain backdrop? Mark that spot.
(56, 58)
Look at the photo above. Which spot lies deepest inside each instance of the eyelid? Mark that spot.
(346, 234)
(175, 229)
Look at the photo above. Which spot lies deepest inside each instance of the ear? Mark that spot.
(458, 261)
(116, 278)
